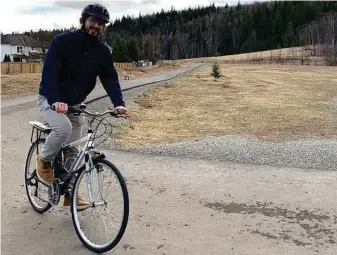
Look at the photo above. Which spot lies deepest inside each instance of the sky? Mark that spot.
(25, 15)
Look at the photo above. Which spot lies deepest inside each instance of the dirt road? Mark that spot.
(180, 206)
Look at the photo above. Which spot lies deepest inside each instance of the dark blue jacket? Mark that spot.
(72, 65)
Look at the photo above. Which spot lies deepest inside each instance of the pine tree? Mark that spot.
(7, 58)
(133, 49)
(216, 73)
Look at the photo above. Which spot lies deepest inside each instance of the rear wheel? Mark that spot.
(37, 192)
(101, 226)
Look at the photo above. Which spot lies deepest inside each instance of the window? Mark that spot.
(19, 49)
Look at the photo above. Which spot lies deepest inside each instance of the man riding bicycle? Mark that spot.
(73, 62)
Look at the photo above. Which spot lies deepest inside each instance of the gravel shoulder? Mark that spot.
(320, 154)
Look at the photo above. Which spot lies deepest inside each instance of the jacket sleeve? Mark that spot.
(51, 67)
(109, 78)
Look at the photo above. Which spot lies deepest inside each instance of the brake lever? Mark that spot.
(117, 116)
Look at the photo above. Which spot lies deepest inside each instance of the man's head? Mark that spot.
(94, 19)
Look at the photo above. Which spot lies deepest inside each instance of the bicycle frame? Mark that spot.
(89, 164)
(80, 155)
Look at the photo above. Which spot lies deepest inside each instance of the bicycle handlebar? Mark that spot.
(81, 109)
(76, 110)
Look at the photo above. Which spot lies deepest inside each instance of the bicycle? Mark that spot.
(94, 165)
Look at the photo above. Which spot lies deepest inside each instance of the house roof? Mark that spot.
(20, 40)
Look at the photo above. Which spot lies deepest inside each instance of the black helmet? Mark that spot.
(97, 11)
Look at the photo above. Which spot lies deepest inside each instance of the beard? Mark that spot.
(93, 31)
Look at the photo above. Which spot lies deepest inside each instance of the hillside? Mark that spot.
(212, 31)
(216, 31)
(302, 55)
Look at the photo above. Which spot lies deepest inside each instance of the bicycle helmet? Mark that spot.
(97, 11)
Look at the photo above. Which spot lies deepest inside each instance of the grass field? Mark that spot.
(265, 101)
(304, 55)
(25, 84)
(260, 100)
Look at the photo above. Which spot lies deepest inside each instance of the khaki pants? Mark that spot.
(66, 128)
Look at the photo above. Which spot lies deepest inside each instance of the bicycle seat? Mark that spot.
(40, 126)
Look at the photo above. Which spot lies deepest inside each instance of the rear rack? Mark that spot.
(40, 129)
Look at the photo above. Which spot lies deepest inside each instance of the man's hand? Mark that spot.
(60, 107)
(121, 110)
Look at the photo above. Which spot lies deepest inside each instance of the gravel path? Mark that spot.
(321, 154)
(314, 153)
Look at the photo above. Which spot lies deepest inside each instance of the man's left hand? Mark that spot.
(121, 110)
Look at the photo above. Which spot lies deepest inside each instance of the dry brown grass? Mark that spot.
(304, 55)
(19, 84)
(25, 84)
(162, 67)
(268, 102)
(285, 52)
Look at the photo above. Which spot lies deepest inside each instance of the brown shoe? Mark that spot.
(81, 203)
(44, 171)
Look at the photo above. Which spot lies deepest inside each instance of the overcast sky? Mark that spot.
(25, 15)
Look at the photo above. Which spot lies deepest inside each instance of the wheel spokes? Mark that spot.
(34, 187)
(100, 227)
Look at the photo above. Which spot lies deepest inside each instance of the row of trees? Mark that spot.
(321, 35)
(210, 31)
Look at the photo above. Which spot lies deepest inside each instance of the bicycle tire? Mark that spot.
(114, 242)
(28, 159)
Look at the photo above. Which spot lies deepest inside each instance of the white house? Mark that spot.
(143, 63)
(20, 47)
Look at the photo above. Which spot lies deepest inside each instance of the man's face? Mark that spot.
(94, 26)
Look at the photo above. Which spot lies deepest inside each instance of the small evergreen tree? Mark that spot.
(7, 58)
(216, 73)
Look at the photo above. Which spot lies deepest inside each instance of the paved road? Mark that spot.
(180, 206)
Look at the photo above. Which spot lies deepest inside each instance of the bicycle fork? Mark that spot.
(89, 166)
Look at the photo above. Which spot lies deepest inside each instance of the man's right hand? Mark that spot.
(60, 107)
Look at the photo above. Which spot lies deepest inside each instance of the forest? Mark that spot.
(215, 31)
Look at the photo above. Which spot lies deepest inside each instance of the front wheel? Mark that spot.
(101, 226)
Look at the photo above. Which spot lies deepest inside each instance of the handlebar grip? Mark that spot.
(70, 110)
(74, 110)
